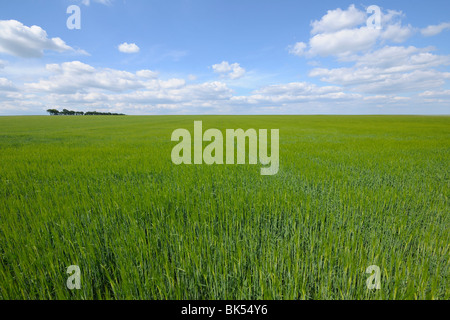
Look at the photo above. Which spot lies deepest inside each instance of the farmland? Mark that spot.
(102, 193)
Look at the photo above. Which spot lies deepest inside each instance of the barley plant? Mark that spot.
(102, 193)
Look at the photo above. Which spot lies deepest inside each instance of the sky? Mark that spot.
(144, 57)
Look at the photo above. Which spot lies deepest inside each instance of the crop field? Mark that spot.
(102, 193)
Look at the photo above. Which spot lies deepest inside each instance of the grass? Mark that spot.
(103, 194)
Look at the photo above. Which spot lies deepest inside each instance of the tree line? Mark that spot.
(65, 112)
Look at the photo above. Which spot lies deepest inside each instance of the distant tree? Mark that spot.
(66, 112)
(53, 112)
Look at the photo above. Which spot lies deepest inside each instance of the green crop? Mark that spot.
(102, 193)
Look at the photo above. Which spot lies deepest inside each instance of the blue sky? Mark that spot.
(225, 57)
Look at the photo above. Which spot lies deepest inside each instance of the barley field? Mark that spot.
(102, 193)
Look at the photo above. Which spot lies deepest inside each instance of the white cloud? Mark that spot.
(158, 96)
(147, 74)
(296, 89)
(75, 76)
(232, 71)
(6, 85)
(176, 91)
(391, 17)
(435, 29)
(414, 81)
(295, 97)
(296, 92)
(128, 48)
(343, 42)
(390, 69)
(342, 33)
(397, 33)
(436, 94)
(398, 59)
(72, 84)
(28, 42)
(298, 49)
(79, 86)
(336, 20)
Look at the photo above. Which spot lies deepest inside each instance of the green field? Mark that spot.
(102, 193)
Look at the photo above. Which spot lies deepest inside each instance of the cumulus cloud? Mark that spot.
(390, 69)
(72, 84)
(400, 59)
(298, 49)
(232, 71)
(78, 77)
(436, 94)
(75, 76)
(435, 29)
(397, 33)
(345, 32)
(297, 92)
(159, 96)
(296, 97)
(343, 42)
(28, 42)
(128, 48)
(76, 85)
(379, 68)
(336, 20)
(147, 74)
(6, 85)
